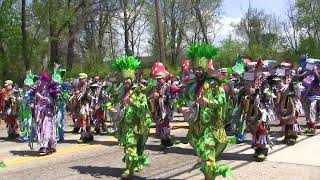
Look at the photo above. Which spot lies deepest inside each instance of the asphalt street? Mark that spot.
(102, 159)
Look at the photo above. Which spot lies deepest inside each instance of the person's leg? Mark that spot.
(262, 142)
(45, 134)
(12, 126)
(312, 116)
(166, 139)
(52, 135)
(131, 155)
(62, 123)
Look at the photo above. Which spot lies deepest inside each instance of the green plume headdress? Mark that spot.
(239, 68)
(58, 73)
(30, 79)
(126, 65)
(200, 54)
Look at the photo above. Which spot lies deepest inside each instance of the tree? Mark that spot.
(260, 31)
(291, 30)
(24, 56)
(229, 49)
(125, 24)
(10, 41)
(160, 30)
(195, 4)
(308, 18)
(206, 12)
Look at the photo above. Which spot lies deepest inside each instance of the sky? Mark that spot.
(232, 11)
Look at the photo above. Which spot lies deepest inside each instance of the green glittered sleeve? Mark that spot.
(218, 99)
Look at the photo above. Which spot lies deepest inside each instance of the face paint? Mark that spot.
(8, 87)
(128, 82)
(160, 81)
(199, 72)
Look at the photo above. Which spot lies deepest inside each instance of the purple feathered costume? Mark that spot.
(46, 92)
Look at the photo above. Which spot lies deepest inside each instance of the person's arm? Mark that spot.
(218, 100)
(315, 70)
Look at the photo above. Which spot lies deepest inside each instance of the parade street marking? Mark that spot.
(60, 152)
(69, 150)
(73, 149)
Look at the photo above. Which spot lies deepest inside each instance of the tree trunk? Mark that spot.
(132, 39)
(173, 34)
(71, 41)
(100, 36)
(160, 31)
(179, 41)
(52, 39)
(25, 58)
(126, 30)
(70, 53)
(195, 4)
(112, 51)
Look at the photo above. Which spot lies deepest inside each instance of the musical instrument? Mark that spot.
(246, 103)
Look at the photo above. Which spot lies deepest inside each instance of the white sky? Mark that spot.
(232, 11)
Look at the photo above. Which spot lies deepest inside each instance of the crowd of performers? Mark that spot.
(246, 97)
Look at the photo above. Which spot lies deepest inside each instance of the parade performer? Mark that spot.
(27, 124)
(206, 129)
(187, 78)
(238, 121)
(290, 104)
(113, 88)
(175, 94)
(224, 75)
(9, 97)
(311, 94)
(58, 76)
(46, 93)
(130, 112)
(161, 111)
(81, 108)
(74, 105)
(97, 100)
(258, 112)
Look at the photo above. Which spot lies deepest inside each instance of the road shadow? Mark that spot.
(94, 142)
(4, 139)
(30, 153)
(99, 172)
(276, 134)
(171, 150)
(236, 157)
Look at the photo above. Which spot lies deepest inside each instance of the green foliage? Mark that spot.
(261, 33)
(310, 46)
(91, 70)
(149, 122)
(10, 38)
(2, 164)
(125, 62)
(229, 49)
(202, 50)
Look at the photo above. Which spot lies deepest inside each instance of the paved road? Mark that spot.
(102, 160)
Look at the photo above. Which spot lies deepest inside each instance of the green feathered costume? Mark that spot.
(206, 131)
(132, 110)
(26, 120)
